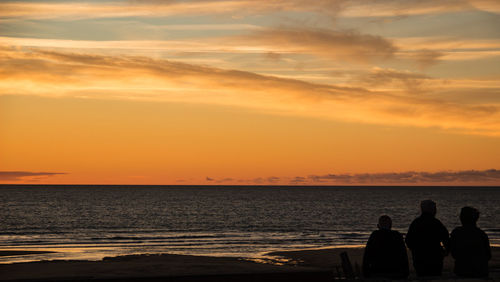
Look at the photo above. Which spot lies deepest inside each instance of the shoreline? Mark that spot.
(298, 265)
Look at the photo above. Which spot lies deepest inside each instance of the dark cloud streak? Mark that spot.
(411, 177)
(464, 177)
(24, 175)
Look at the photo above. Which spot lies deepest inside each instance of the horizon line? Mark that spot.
(248, 185)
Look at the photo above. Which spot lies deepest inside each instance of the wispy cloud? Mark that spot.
(425, 57)
(25, 175)
(238, 8)
(106, 9)
(333, 46)
(395, 8)
(478, 91)
(427, 51)
(395, 79)
(54, 73)
(340, 45)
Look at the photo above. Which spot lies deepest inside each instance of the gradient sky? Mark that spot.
(319, 92)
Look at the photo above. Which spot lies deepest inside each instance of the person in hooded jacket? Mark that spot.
(470, 246)
(428, 240)
(385, 253)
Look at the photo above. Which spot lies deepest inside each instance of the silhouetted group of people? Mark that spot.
(429, 241)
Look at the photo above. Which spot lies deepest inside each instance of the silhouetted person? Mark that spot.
(470, 246)
(385, 253)
(428, 241)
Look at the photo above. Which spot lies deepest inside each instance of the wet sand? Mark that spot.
(306, 265)
(164, 267)
(21, 253)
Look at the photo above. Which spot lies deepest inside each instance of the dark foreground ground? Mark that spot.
(306, 265)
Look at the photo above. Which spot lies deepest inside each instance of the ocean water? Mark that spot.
(91, 222)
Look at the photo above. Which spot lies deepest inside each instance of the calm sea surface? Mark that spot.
(90, 222)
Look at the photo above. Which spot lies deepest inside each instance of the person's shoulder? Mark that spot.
(374, 237)
(423, 220)
(417, 220)
(481, 232)
(374, 233)
(378, 233)
(382, 233)
(416, 225)
(438, 222)
(435, 219)
(468, 231)
(396, 234)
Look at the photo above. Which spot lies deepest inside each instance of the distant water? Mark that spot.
(90, 222)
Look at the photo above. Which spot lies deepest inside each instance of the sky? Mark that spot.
(260, 92)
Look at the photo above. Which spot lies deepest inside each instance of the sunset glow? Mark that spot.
(269, 92)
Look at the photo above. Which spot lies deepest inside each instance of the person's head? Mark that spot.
(469, 216)
(428, 207)
(384, 222)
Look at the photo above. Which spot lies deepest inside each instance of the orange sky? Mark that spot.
(250, 92)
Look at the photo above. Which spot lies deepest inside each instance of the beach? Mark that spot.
(301, 265)
(136, 233)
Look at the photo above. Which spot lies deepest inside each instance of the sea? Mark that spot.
(92, 222)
